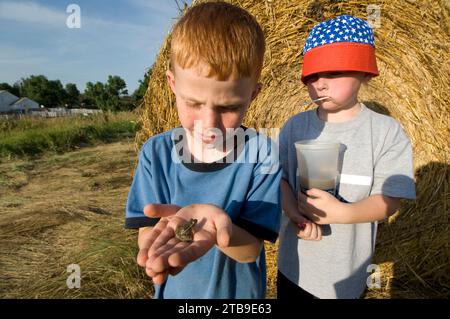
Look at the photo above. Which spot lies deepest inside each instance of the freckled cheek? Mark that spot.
(186, 117)
(232, 120)
(346, 92)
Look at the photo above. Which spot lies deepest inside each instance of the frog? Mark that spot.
(185, 232)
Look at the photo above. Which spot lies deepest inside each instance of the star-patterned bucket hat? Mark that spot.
(345, 43)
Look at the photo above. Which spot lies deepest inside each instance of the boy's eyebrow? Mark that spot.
(191, 99)
(230, 105)
(233, 105)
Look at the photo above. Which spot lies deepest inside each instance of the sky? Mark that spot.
(115, 37)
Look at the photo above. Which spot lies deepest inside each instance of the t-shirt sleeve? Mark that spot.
(142, 192)
(261, 213)
(393, 169)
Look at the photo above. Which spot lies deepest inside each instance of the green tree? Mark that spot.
(14, 89)
(59, 95)
(139, 93)
(97, 94)
(43, 91)
(116, 86)
(127, 103)
(109, 96)
(73, 95)
(87, 102)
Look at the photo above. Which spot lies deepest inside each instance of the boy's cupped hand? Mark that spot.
(320, 207)
(306, 229)
(161, 253)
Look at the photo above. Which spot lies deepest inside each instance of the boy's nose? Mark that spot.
(209, 118)
(321, 83)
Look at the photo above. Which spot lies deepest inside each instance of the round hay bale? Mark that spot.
(412, 44)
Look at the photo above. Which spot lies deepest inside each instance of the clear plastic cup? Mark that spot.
(317, 165)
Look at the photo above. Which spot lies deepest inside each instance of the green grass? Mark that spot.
(35, 136)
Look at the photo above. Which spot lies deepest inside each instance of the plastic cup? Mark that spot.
(317, 165)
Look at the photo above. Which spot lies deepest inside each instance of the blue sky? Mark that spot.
(117, 37)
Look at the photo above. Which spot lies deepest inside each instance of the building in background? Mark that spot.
(9, 103)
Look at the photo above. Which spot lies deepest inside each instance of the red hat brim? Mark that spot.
(340, 56)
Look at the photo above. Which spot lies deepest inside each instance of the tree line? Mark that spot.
(109, 96)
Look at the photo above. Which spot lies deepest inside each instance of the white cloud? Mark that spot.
(10, 55)
(29, 12)
(93, 30)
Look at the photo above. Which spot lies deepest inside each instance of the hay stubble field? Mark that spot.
(64, 209)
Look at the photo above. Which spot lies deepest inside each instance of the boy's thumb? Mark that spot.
(161, 210)
(142, 257)
(224, 229)
(223, 237)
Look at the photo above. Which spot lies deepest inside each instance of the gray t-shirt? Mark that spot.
(375, 158)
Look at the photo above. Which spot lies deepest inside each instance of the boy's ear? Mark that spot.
(256, 91)
(171, 80)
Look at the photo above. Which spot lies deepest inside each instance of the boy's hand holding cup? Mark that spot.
(317, 174)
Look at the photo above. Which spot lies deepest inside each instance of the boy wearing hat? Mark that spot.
(332, 238)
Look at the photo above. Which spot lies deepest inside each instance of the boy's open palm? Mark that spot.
(169, 255)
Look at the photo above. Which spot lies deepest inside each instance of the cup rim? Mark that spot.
(314, 144)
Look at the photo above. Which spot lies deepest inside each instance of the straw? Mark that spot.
(316, 100)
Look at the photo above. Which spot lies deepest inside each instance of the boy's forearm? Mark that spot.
(243, 246)
(288, 200)
(370, 209)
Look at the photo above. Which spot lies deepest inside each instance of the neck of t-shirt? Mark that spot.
(206, 153)
(193, 151)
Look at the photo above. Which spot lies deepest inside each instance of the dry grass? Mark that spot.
(69, 209)
(413, 54)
